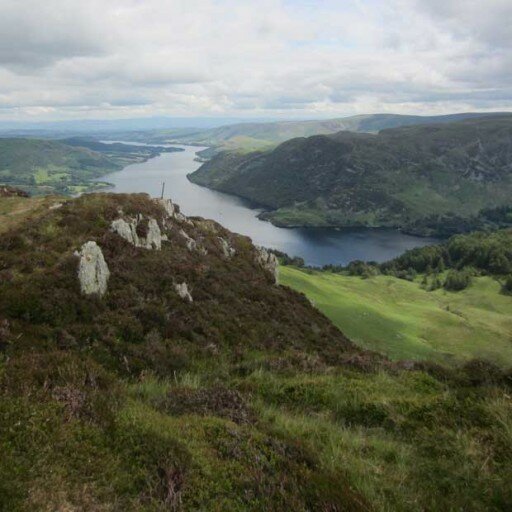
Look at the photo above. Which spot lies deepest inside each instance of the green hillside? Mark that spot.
(44, 167)
(241, 397)
(448, 303)
(404, 321)
(400, 177)
(65, 167)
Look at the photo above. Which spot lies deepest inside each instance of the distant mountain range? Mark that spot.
(105, 125)
(257, 135)
(218, 133)
(395, 178)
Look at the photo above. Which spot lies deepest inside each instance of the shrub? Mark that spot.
(457, 280)
(507, 286)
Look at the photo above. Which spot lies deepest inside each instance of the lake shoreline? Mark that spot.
(344, 227)
(318, 246)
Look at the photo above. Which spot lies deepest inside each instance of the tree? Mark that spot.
(457, 280)
(507, 287)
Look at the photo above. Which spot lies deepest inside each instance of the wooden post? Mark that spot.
(163, 189)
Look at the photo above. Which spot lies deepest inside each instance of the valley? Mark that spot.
(316, 246)
(255, 256)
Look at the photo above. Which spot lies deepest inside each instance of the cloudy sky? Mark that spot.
(65, 59)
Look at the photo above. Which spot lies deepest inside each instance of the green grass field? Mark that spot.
(403, 321)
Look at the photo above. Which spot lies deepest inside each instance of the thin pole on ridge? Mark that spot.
(163, 189)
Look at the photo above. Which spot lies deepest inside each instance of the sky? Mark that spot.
(76, 59)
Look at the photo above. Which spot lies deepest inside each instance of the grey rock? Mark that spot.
(193, 245)
(93, 272)
(153, 239)
(189, 241)
(267, 261)
(183, 292)
(128, 230)
(227, 250)
(169, 207)
(172, 210)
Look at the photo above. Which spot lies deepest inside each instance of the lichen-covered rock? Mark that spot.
(154, 237)
(189, 241)
(227, 250)
(131, 231)
(93, 272)
(193, 245)
(169, 207)
(173, 211)
(268, 261)
(126, 230)
(183, 292)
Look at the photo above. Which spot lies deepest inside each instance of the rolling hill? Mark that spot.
(67, 166)
(397, 178)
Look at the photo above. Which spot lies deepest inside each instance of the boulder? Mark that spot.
(268, 261)
(182, 291)
(227, 250)
(173, 211)
(93, 272)
(189, 241)
(193, 245)
(131, 230)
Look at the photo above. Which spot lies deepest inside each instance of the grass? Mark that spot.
(15, 210)
(403, 321)
(400, 441)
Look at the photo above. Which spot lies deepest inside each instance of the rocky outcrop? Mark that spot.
(93, 272)
(183, 292)
(170, 208)
(189, 241)
(173, 210)
(193, 245)
(268, 261)
(140, 232)
(227, 250)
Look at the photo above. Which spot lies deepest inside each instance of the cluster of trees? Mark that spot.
(489, 253)
(463, 256)
(448, 224)
(286, 259)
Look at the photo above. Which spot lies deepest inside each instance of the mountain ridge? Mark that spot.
(262, 135)
(395, 178)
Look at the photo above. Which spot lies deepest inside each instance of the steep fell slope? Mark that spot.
(395, 178)
(149, 362)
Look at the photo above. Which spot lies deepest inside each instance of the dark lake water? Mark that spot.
(318, 246)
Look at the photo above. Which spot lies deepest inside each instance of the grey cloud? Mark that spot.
(166, 56)
(37, 33)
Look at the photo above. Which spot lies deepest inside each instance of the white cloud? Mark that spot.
(297, 58)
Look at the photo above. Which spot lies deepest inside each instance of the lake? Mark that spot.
(318, 246)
